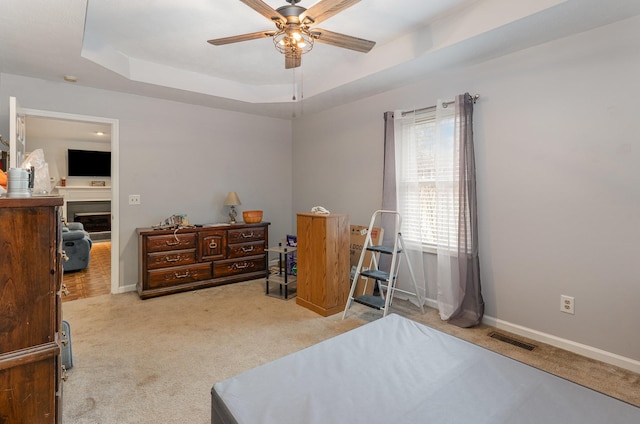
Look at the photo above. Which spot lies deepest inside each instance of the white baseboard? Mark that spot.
(571, 346)
(568, 345)
(125, 289)
(431, 303)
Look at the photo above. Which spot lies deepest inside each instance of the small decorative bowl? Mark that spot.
(252, 217)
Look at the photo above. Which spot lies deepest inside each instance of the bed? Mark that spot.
(395, 370)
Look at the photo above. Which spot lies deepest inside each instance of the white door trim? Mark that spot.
(115, 180)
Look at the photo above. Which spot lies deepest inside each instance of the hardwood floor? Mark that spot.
(95, 280)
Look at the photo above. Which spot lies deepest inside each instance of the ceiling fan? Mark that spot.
(296, 33)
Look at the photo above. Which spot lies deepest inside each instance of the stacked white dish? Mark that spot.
(19, 182)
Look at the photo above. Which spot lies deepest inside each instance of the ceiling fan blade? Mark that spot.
(341, 40)
(265, 10)
(292, 60)
(239, 38)
(325, 9)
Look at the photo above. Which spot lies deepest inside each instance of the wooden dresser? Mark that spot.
(191, 258)
(30, 310)
(323, 262)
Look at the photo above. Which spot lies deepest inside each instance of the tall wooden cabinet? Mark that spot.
(323, 262)
(30, 310)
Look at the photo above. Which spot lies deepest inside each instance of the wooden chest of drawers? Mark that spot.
(31, 369)
(191, 258)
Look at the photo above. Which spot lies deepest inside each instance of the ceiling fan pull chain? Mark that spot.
(294, 84)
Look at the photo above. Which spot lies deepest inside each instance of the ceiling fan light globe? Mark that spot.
(293, 41)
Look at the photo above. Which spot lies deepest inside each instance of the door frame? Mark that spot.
(115, 180)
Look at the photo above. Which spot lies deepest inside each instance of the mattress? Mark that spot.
(395, 370)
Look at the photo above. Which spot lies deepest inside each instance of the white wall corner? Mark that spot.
(125, 289)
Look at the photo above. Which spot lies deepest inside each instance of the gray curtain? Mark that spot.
(471, 310)
(389, 201)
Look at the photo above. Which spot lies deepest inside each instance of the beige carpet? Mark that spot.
(154, 361)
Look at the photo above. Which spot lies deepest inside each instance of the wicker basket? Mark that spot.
(252, 217)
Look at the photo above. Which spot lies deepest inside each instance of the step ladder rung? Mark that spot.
(382, 249)
(375, 274)
(375, 302)
(385, 280)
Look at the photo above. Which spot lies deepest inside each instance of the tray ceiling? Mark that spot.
(158, 48)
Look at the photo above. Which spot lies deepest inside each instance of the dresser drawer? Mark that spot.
(178, 275)
(29, 385)
(176, 241)
(212, 245)
(246, 249)
(171, 258)
(233, 267)
(242, 235)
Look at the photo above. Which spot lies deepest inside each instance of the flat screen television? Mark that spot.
(88, 163)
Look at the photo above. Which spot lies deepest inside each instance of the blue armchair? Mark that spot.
(76, 243)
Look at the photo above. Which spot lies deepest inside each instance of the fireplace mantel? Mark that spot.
(83, 194)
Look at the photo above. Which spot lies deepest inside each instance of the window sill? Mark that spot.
(433, 250)
(428, 248)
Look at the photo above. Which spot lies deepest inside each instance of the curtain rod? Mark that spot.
(444, 105)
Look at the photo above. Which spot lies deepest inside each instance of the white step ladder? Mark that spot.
(385, 280)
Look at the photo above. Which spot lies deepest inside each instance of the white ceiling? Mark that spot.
(158, 48)
(39, 128)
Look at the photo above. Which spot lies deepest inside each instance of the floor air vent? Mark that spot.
(507, 339)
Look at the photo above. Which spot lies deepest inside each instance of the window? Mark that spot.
(427, 175)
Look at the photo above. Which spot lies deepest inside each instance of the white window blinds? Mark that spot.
(426, 173)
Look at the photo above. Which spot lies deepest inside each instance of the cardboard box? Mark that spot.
(358, 235)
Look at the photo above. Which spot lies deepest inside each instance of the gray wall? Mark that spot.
(180, 158)
(557, 152)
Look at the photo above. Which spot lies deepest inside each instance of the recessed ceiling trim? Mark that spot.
(124, 45)
(429, 41)
(167, 76)
(430, 38)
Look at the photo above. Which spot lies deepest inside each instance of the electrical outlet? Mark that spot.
(134, 199)
(567, 304)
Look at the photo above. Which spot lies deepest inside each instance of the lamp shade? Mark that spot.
(232, 199)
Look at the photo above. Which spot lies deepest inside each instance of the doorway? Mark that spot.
(82, 123)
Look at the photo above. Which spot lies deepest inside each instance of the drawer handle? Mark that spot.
(185, 275)
(248, 249)
(243, 265)
(213, 245)
(174, 243)
(64, 375)
(170, 259)
(249, 235)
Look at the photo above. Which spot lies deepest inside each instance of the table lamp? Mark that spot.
(232, 201)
